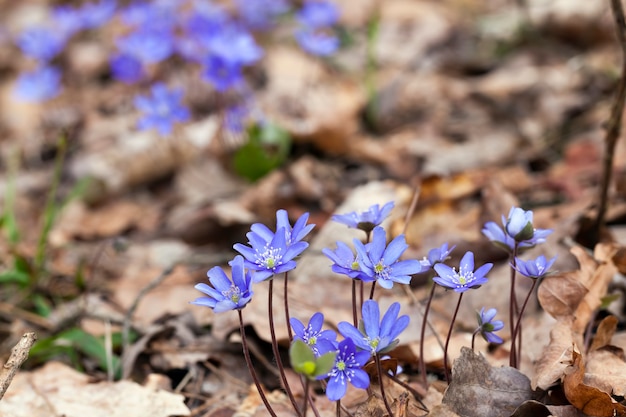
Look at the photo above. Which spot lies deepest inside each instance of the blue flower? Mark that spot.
(162, 109)
(95, 15)
(126, 68)
(221, 73)
(316, 42)
(347, 368)
(39, 85)
(517, 231)
(292, 234)
(382, 259)
(148, 45)
(68, 20)
(345, 262)
(437, 255)
(465, 278)
(318, 14)
(260, 14)
(373, 335)
(320, 341)
(534, 268)
(487, 325)
(365, 220)
(224, 294)
(161, 14)
(41, 43)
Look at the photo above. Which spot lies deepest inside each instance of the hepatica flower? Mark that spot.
(260, 14)
(224, 294)
(347, 369)
(365, 220)
(376, 336)
(39, 85)
(487, 325)
(317, 42)
(318, 14)
(345, 262)
(41, 43)
(463, 279)
(437, 255)
(320, 341)
(534, 268)
(517, 230)
(161, 109)
(382, 259)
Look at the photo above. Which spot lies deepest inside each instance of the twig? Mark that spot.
(19, 354)
(614, 124)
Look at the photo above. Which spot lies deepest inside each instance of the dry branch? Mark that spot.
(19, 354)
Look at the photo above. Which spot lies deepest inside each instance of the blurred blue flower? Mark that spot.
(316, 42)
(517, 230)
(317, 14)
(320, 341)
(156, 14)
(487, 325)
(161, 109)
(224, 294)
(345, 262)
(534, 268)
(235, 117)
(348, 368)
(41, 43)
(260, 14)
(466, 278)
(382, 259)
(365, 220)
(235, 45)
(373, 335)
(95, 15)
(126, 68)
(221, 73)
(68, 20)
(437, 255)
(39, 85)
(147, 45)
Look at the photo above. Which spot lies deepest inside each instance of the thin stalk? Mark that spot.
(286, 300)
(355, 317)
(255, 378)
(474, 337)
(372, 290)
(279, 362)
(513, 309)
(518, 325)
(445, 349)
(362, 290)
(307, 384)
(423, 334)
(338, 408)
(382, 385)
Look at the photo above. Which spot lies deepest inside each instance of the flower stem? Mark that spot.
(279, 362)
(474, 337)
(255, 378)
(445, 349)
(382, 385)
(372, 290)
(338, 408)
(513, 309)
(307, 384)
(422, 362)
(518, 325)
(286, 299)
(355, 318)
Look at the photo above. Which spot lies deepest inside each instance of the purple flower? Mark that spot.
(373, 335)
(347, 368)
(260, 14)
(465, 278)
(382, 259)
(345, 262)
(316, 42)
(161, 110)
(224, 294)
(126, 68)
(365, 220)
(148, 45)
(534, 268)
(487, 325)
(223, 74)
(95, 15)
(161, 14)
(517, 231)
(318, 14)
(320, 341)
(41, 43)
(39, 85)
(68, 20)
(272, 253)
(437, 255)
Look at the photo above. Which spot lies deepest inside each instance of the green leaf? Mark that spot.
(267, 149)
(302, 358)
(325, 363)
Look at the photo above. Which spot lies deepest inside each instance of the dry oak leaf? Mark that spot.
(578, 294)
(606, 370)
(587, 399)
(552, 364)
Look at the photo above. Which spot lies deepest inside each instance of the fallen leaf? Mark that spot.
(552, 364)
(56, 389)
(587, 399)
(532, 408)
(606, 371)
(606, 330)
(478, 389)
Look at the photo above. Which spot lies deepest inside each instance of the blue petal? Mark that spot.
(467, 262)
(224, 305)
(238, 273)
(407, 267)
(347, 330)
(263, 231)
(360, 379)
(204, 301)
(394, 250)
(376, 247)
(219, 279)
(371, 318)
(483, 270)
(444, 271)
(316, 322)
(399, 326)
(208, 290)
(336, 388)
(297, 326)
(389, 319)
(246, 251)
(385, 283)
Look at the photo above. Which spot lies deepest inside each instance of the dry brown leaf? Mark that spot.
(58, 390)
(578, 293)
(606, 370)
(587, 399)
(552, 364)
(606, 330)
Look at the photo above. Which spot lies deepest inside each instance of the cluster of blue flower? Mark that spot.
(199, 32)
(270, 253)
